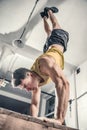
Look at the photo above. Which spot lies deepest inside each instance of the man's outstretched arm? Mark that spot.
(35, 102)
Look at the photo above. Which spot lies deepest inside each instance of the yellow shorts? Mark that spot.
(59, 59)
(57, 55)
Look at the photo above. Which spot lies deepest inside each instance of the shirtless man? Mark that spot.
(47, 67)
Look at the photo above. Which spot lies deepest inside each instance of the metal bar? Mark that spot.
(48, 93)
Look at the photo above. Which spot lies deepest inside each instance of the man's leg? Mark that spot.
(49, 13)
(46, 26)
(54, 20)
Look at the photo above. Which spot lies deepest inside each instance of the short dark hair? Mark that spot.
(19, 74)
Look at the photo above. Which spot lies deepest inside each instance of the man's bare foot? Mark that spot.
(51, 120)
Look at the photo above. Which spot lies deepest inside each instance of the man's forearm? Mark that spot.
(34, 110)
(35, 101)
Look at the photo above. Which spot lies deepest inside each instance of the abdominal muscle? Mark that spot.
(57, 46)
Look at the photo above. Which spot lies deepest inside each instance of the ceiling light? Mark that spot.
(18, 43)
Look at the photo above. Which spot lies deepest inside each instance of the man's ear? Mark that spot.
(31, 74)
(28, 74)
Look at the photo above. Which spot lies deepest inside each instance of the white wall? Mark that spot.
(77, 117)
(71, 114)
(82, 102)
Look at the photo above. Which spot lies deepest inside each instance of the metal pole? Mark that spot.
(29, 18)
(77, 122)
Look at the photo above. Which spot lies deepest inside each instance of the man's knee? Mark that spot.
(56, 26)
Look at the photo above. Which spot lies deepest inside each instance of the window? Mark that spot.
(50, 104)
